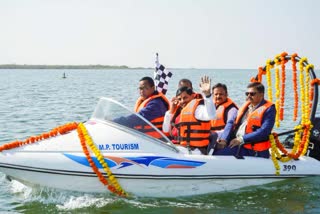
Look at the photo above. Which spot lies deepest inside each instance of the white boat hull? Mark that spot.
(221, 173)
(142, 165)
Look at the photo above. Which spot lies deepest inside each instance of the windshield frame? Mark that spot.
(101, 116)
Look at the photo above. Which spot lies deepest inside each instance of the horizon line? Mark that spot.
(86, 66)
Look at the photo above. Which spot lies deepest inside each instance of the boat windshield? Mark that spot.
(110, 110)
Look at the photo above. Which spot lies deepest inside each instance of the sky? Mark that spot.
(185, 33)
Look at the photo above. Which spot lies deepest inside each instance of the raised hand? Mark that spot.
(174, 104)
(205, 85)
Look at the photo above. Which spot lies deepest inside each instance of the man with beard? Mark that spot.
(253, 125)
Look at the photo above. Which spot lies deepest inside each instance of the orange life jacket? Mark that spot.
(221, 115)
(174, 133)
(254, 121)
(157, 122)
(192, 132)
(175, 120)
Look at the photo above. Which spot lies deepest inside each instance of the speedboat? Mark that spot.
(103, 156)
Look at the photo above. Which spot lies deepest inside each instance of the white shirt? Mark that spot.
(204, 112)
(242, 129)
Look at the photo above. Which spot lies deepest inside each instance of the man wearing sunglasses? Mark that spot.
(253, 125)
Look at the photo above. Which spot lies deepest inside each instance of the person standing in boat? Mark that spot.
(188, 120)
(188, 83)
(253, 125)
(226, 113)
(151, 104)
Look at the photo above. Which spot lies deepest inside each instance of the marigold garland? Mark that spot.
(274, 154)
(295, 86)
(259, 76)
(283, 84)
(277, 86)
(33, 139)
(308, 104)
(85, 140)
(268, 74)
(299, 148)
(302, 89)
(302, 131)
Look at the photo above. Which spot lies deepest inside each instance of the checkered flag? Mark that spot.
(161, 77)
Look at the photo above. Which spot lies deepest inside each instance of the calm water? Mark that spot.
(35, 101)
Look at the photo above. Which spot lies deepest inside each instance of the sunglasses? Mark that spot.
(251, 93)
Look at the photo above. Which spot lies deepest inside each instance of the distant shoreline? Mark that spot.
(16, 66)
(25, 66)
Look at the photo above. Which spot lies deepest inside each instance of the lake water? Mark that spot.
(35, 101)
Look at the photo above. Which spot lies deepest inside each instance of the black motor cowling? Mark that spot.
(314, 144)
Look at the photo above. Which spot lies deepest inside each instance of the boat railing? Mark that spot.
(303, 138)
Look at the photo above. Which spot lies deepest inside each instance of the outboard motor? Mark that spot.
(314, 144)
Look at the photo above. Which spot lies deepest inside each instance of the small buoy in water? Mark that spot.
(64, 75)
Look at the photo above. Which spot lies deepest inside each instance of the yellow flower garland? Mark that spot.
(268, 74)
(274, 154)
(307, 90)
(302, 90)
(302, 135)
(96, 151)
(277, 85)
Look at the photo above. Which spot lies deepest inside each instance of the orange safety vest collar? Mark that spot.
(221, 117)
(157, 122)
(254, 121)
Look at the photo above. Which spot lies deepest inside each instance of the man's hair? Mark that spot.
(257, 85)
(220, 85)
(185, 81)
(184, 89)
(149, 80)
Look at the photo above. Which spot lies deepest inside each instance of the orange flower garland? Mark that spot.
(302, 131)
(295, 86)
(114, 187)
(259, 75)
(85, 139)
(275, 145)
(54, 132)
(283, 84)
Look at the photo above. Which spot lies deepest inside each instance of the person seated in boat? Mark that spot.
(226, 113)
(188, 120)
(151, 104)
(188, 83)
(253, 125)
